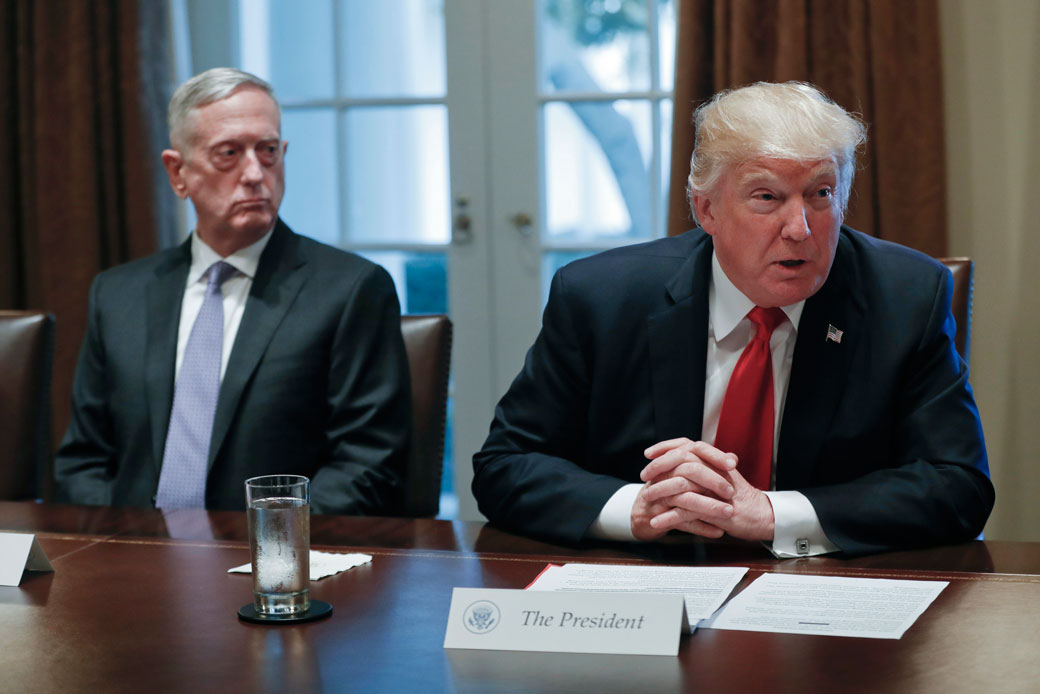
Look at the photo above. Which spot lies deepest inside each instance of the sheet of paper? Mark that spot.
(703, 588)
(874, 608)
(322, 563)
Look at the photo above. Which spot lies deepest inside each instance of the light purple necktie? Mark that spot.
(182, 481)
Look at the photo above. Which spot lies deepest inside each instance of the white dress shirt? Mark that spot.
(797, 530)
(235, 290)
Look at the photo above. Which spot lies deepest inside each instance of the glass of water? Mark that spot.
(279, 513)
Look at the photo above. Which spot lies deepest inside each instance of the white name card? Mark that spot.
(20, 552)
(565, 622)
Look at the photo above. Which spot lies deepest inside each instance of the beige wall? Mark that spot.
(991, 65)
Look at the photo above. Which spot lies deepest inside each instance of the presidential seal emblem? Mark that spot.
(481, 617)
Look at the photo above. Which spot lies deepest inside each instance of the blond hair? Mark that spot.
(792, 120)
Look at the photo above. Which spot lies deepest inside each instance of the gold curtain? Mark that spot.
(879, 58)
(83, 87)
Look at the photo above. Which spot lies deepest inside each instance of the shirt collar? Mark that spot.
(727, 305)
(245, 260)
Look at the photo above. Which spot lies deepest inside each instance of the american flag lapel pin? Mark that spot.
(833, 334)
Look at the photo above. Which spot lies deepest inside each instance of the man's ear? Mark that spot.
(173, 162)
(703, 209)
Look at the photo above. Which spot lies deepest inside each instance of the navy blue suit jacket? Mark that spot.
(316, 383)
(880, 430)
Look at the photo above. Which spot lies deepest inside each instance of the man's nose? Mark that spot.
(253, 171)
(796, 226)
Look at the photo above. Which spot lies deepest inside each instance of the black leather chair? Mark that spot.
(26, 356)
(427, 340)
(963, 270)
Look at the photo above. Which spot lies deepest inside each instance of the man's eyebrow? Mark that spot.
(229, 142)
(824, 171)
(752, 176)
(755, 176)
(239, 142)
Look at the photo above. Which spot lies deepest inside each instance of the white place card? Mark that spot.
(20, 552)
(704, 588)
(565, 622)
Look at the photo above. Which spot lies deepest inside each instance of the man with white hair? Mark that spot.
(772, 375)
(246, 351)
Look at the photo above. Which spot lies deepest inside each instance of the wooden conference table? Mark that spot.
(143, 602)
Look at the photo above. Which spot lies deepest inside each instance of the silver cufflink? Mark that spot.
(801, 545)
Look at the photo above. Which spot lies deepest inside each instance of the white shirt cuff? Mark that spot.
(615, 520)
(796, 527)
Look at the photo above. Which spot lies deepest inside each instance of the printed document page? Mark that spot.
(703, 588)
(874, 608)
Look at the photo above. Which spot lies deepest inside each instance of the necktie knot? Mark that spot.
(217, 273)
(766, 320)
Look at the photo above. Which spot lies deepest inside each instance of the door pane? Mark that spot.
(311, 204)
(397, 163)
(664, 156)
(593, 46)
(400, 43)
(421, 278)
(289, 43)
(597, 158)
(665, 43)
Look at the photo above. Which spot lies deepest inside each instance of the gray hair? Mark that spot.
(793, 120)
(205, 88)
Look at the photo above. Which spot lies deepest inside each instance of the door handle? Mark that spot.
(523, 223)
(461, 223)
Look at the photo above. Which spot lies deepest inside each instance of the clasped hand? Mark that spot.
(694, 487)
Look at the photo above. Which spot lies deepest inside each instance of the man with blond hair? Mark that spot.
(247, 350)
(772, 375)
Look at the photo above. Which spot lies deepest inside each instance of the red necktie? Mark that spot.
(746, 420)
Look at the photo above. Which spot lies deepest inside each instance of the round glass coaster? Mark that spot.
(319, 609)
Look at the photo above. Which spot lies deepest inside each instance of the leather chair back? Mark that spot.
(963, 270)
(26, 355)
(427, 340)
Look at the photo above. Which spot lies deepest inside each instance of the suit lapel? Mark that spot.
(678, 338)
(164, 296)
(819, 371)
(277, 282)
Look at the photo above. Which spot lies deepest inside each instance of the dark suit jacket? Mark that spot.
(316, 383)
(879, 431)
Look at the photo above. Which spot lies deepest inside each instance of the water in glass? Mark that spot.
(279, 532)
